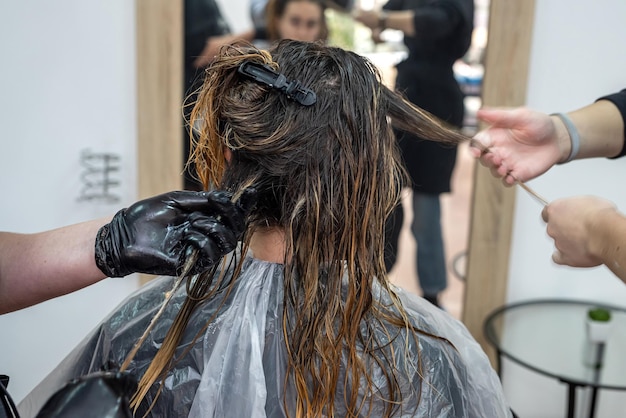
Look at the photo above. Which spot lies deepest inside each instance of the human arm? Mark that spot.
(41, 266)
(587, 231)
(429, 22)
(401, 20)
(523, 143)
(154, 236)
(213, 44)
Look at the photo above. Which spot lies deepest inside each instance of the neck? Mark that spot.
(268, 244)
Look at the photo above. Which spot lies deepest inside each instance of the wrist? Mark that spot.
(382, 20)
(567, 137)
(106, 254)
(601, 227)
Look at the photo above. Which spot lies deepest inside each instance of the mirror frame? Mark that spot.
(492, 205)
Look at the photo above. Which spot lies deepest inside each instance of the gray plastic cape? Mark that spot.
(237, 367)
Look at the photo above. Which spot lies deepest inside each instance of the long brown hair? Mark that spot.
(328, 175)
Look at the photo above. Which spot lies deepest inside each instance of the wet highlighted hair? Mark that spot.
(328, 175)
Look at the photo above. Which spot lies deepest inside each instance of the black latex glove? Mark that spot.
(97, 395)
(158, 234)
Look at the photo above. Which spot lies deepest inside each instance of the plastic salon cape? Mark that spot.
(237, 367)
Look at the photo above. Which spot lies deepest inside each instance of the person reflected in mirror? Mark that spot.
(436, 33)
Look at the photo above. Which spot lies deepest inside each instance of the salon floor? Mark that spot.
(455, 224)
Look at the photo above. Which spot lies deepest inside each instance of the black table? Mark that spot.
(549, 337)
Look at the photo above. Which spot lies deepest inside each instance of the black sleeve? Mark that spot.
(436, 19)
(619, 100)
(203, 20)
(394, 5)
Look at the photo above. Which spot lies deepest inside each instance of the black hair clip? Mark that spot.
(264, 74)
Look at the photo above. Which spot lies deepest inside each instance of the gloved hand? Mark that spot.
(96, 395)
(158, 234)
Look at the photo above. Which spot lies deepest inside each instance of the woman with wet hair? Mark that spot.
(300, 320)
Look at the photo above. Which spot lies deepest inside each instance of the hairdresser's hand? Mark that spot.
(213, 45)
(368, 18)
(211, 49)
(573, 223)
(376, 37)
(522, 143)
(157, 235)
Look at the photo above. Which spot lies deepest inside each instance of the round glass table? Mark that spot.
(550, 337)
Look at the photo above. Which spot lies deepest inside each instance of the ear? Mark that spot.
(228, 154)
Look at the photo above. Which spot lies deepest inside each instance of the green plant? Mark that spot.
(341, 29)
(599, 314)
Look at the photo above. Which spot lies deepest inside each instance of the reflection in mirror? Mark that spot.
(455, 206)
(345, 32)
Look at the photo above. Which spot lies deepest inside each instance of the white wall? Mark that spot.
(67, 84)
(578, 54)
(237, 14)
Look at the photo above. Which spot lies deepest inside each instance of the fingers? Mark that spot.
(494, 172)
(479, 144)
(495, 145)
(215, 222)
(212, 239)
(230, 216)
(494, 162)
(213, 201)
(480, 147)
(208, 202)
(220, 205)
(191, 201)
(558, 258)
(474, 151)
(509, 180)
(247, 200)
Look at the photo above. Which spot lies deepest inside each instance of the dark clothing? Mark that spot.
(443, 28)
(429, 163)
(619, 100)
(203, 20)
(443, 33)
